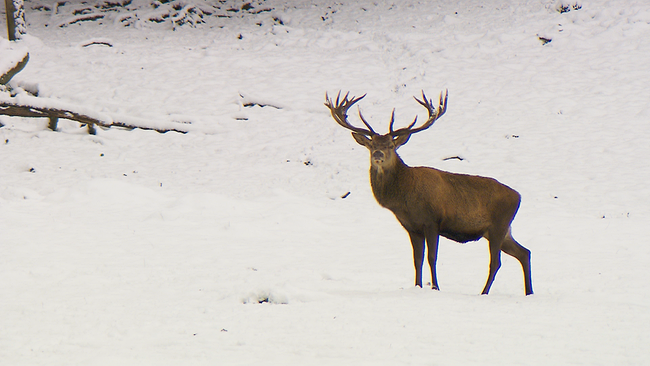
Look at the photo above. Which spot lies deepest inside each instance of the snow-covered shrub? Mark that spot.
(137, 13)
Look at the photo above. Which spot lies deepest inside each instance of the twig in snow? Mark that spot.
(453, 157)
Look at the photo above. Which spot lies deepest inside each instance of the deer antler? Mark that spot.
(340, 109)
(434, 114)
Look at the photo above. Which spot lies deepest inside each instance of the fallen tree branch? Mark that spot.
(6, 77)
(13, 58)
(29, 106)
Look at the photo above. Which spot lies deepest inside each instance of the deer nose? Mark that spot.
(378, 155)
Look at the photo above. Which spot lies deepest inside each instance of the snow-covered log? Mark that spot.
(12, 59)
(28, 106)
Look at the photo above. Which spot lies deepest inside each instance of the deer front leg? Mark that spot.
(417, 241)
(495, 242)
(432, 247)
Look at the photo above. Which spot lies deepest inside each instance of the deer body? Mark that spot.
(439, 198)
(429, 202)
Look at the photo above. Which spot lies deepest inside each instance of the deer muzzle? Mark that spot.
(378, 156)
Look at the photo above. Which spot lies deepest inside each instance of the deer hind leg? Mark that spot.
(432, 237)
(511, 247)
(417, 241)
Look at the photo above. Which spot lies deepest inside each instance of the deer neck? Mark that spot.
(386, 181)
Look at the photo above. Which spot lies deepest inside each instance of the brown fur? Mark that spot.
(430, 202)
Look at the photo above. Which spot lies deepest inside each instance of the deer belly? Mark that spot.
(461, 237)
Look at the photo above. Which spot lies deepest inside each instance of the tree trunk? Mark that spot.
(16, 25)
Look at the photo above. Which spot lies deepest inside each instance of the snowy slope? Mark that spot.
(232, 245)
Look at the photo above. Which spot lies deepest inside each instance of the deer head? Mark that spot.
(383, 147)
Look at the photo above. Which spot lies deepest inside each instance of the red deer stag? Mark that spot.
(430, 202)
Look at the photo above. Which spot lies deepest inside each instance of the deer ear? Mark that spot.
(361, 139)
(401, 140)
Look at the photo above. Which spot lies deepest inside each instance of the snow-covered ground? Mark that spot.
(232, 244)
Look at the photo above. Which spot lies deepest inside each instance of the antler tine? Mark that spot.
(366, 122)
(339, 113)
(434, 114)
(412, 123)
(392, 122)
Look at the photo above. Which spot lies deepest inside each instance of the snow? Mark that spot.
(232, 244)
